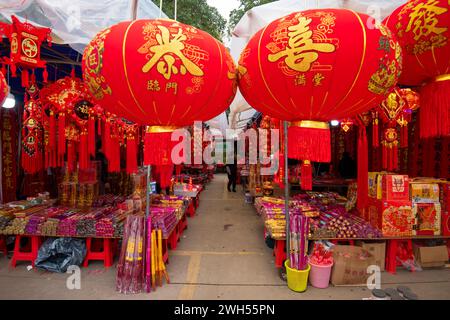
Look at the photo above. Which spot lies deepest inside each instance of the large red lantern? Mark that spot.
(160, 73)
(422, 28)
(314, 66)
(25, 43)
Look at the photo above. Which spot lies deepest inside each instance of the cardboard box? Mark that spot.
(429, 257)
(424, 192)
(378, 250)
(395, 187)
(427, 219)
(373, 184)
(350, 265)
(393, 218)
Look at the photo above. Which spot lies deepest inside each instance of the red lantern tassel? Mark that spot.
(306, 175)
(375, 133)
(158, 148)
(91, 136)
(435, 109)
(404, 136)
(131, 155)
(52, 132)
(107, 140)
(363, 168)
(384, 156)
(83, 151)
(165, 175)
(309, 143)
(70, 156)
(25, 78)
(45, 75)
(61, 136)
(394, 155)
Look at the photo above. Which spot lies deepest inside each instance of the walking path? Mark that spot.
(222, 255)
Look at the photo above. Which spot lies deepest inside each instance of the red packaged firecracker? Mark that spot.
(428, 219)
(395, 187)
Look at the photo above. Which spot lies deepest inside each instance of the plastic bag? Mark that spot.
(57, 254)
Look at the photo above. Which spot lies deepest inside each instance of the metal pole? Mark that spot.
(160, 8)
(286, 189)
(149, 178)
(134, 6)
(175, 14)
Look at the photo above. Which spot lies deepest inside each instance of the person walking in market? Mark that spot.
(232, 174)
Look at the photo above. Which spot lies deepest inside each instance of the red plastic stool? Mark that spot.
(280, 254)
(391, 254)
(27, 255)
(191, 210)
(3, 247)
(106, 255)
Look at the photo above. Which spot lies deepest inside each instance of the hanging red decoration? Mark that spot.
(423, 28)
(4, 88)
(314, 66)
(25, 46)
(346, 124)
(32, 138)
(179, 74)
(131, 135)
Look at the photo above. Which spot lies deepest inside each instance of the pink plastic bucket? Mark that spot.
(319, 276)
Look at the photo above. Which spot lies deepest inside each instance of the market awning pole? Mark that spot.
(286, 189)
(149, 178)
(134, 6)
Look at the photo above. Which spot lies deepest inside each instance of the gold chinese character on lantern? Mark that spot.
(153, 85)
(301, 51)
(172, 85)
(300, 80)
(423, 20)
(170, 46)
(318, 78)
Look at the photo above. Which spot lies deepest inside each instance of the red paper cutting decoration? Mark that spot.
(25, 46)
(160, 73)
(314, 66)
(422, 28)
(346, 124)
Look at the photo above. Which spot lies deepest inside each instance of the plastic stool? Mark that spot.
(28, 255)
(106, 255)
(191, 209)
(280, 254)
(391, 254)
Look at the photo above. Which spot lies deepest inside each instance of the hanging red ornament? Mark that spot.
(4, 88)
(131, 135)
(25, 46)
(346, 124)
(422, 28)
(32, 138)
(310, 57)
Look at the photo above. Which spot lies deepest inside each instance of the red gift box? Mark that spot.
(395, 187)
(393, 218)
(428, 219)
(444, 191)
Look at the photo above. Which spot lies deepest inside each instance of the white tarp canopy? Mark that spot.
(258, 17)
(76, 22)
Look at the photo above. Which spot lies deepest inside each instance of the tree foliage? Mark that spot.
(237, 14)
(196, 13)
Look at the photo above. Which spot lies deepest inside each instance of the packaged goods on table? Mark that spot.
(424, 192)
(444, 197)
(395, 187)
(393, 218)
(164, 219)
(427, 219)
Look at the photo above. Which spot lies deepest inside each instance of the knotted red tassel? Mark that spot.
(306, 175)
(70, 156)
(132, 166)
(83, 151)
(25, 78)
(363, 168)
(165, 175)
(435, 108)
(375, 131)
(404, 136)
(91, 136)
(61, 136)
(45, 75)
(310, 140)
(394, 156)
(384, 155)
(52, 132)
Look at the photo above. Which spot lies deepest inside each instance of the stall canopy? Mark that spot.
(258, 17)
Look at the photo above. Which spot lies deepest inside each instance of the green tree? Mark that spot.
(196, 13)
(237, 14)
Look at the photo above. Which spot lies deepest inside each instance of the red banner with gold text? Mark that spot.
(9, 140)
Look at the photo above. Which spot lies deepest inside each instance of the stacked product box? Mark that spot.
(389, 208)
(426, 207)
(444, 198)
